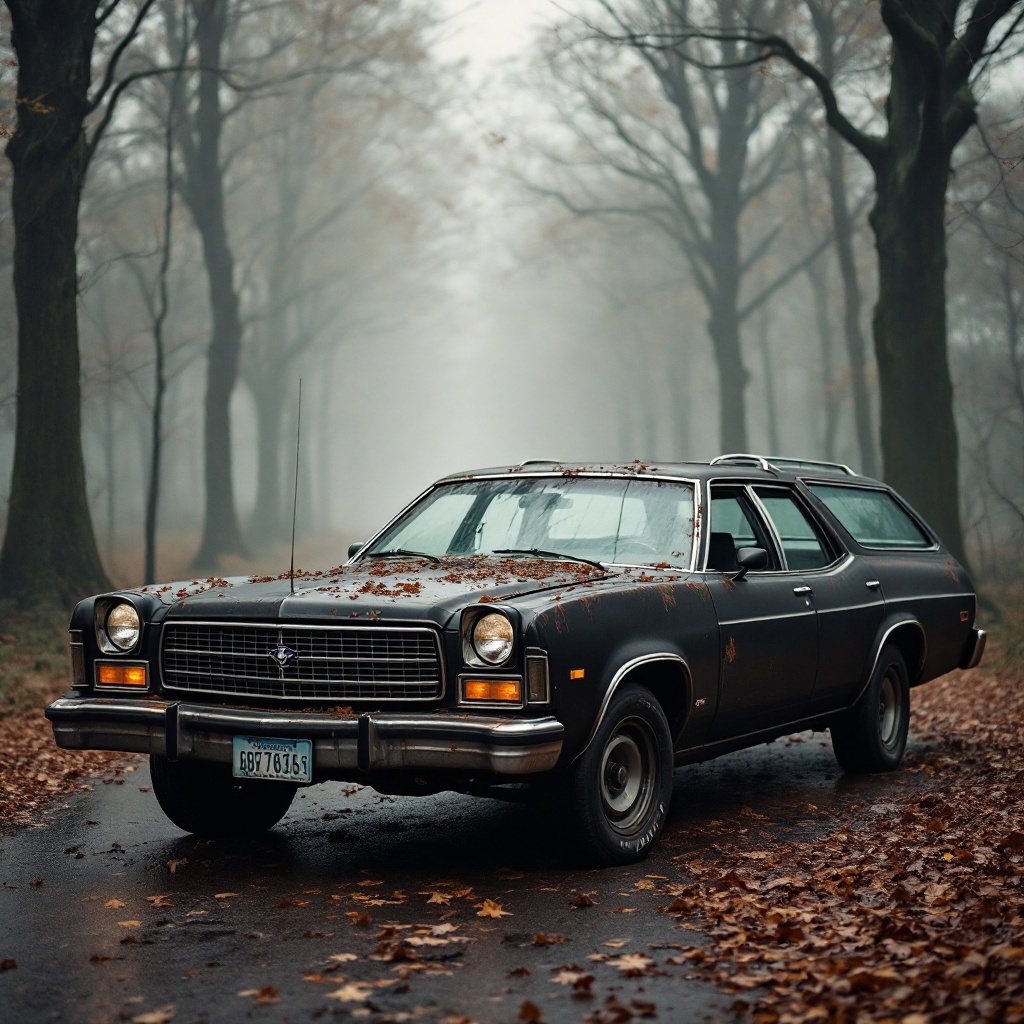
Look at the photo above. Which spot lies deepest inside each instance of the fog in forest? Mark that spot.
(480, 233)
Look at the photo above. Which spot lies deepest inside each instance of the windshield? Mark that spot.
(628, 522)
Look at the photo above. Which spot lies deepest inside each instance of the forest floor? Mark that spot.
(910, 910)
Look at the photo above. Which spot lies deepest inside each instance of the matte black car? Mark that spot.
(572, 630)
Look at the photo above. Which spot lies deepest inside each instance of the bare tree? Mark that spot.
(698, 169)
(938, 51)
(49, 551)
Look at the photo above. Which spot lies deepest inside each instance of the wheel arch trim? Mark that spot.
(622, 673)
(880, 646)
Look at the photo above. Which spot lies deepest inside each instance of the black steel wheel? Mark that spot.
(872, 735)
(204, 798)
(619, 790)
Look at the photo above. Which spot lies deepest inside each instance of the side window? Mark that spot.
(735, 524)
(872, 517)
(802, 543)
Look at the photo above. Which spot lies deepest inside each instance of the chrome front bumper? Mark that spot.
(365, 743)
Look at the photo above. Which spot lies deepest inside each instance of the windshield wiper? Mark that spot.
(541, 553)
(404, 553)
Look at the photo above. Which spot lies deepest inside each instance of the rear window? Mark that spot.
(873, 518)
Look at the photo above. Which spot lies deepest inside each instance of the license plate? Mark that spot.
(263, 757)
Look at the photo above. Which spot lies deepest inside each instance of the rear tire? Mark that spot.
(617, 793)
(872, 735)
(202, 797)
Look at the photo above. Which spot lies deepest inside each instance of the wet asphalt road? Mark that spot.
(91, 944)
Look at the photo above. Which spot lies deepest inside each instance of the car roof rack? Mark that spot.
(833, 467)
(742, 459)
(773, 462)
(539, 462)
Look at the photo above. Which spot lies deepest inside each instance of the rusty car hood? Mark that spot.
(371, 590)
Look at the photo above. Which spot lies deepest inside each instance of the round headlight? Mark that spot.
(123, 626)
(493, 637)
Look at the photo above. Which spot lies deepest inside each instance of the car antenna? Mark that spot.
(295, 495)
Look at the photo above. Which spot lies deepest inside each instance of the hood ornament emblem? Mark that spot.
(283, 656)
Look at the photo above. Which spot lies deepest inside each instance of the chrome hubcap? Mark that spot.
(889, 709)
(628, 768)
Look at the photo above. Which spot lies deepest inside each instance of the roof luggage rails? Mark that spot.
(773, 462)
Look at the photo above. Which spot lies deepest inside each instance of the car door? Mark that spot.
(768, 627)
(843, 590)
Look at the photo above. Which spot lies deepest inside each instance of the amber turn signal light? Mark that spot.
(122, 675)
(505, 690)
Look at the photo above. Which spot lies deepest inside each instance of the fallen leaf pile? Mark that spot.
(913, 913)
(34, 770)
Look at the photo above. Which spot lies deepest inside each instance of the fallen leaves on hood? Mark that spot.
(583, 899)
(224, 895)
(360, 918)
(115, 904)
(159, 901)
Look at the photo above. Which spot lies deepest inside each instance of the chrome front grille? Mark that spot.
(338, 663)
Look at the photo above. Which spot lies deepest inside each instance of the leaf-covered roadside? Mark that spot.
(34, 669)
(913, 915)
(34, 771)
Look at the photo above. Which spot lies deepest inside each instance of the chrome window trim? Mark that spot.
(743, 485)
(416, 626)
(807, 481)
(620, 674)
(794, 495)
(694, 482)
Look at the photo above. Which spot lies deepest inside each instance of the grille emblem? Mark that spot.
(284, 656)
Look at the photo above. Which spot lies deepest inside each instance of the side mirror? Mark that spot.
(750, 558)
(354, 549)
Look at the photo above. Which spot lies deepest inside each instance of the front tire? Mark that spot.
(202, 797)
(872, 735)
(619, 790)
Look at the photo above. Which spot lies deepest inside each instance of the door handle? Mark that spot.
(873, 584)
(802, 590)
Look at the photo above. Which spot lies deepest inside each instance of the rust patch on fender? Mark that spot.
(730, 650)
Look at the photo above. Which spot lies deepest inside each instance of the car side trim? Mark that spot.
(621, 674)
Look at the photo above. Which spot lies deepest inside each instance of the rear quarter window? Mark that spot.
(873, 518)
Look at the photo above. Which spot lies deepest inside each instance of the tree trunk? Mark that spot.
(724, 328)
(817, 275)
(919, 440)
(768, 372)
(855, 346)
(204, 195)
(49, 550)
(267, 520)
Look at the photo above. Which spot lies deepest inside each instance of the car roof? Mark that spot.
(739, 467)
